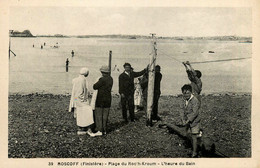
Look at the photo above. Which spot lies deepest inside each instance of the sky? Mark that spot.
(164, 21)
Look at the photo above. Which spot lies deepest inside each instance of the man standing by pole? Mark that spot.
(126, 90)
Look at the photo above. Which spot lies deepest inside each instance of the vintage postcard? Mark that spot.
(129, 84)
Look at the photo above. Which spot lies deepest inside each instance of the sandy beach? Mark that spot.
(40, 126)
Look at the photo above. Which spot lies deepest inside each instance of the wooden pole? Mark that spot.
(110, 60)
(151, 74)
(10, 32)
(10, 51)
(9, 47)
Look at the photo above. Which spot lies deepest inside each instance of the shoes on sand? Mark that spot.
(96, 134)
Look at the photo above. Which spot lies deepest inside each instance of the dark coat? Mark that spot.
(191, 111)
(157, 84)
(126, 83)
(104, 87)
(196, 83)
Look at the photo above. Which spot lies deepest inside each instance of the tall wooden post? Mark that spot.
(151, 74)
(110, 60)
(9, 47)
(9, 52)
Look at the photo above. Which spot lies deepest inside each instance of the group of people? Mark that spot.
(97, 111)
(134, 94)
(44, 44)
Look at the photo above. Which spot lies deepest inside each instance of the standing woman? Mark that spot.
(103, 101)
(79, 103)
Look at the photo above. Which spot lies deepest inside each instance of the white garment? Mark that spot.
(94, 97)
(84, 114)
(138, 93)
(127, 73)
(93, 100)
(187, 101)
(79, 91)
(79, 101)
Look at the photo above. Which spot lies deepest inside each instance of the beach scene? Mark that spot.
(48, 52)
(43, 70)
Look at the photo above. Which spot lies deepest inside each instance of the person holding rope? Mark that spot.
(126, 90)
(194, 76)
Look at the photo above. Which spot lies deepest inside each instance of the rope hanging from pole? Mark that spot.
(170, 56)
(232, 59)
(200, 62)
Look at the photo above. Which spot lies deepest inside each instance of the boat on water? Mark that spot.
(132, 37)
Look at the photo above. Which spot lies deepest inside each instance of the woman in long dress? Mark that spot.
(79, 103)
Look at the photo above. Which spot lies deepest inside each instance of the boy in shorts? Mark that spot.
(190, 116)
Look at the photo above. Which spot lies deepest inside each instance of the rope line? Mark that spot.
(200, 62)
(220, 60)
(170, 56)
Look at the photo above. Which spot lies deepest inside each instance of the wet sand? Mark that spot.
(40, 126)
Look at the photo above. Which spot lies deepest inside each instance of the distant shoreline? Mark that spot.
(133, 37)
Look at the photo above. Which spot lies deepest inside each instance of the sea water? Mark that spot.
(43, 70)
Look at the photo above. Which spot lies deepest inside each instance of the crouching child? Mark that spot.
(190, 116)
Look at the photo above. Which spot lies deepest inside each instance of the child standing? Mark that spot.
(138, 94)
(190, 116)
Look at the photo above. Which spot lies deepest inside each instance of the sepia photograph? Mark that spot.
(146, 82)
(129, 86)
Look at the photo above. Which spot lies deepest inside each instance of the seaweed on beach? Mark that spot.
(40, 126)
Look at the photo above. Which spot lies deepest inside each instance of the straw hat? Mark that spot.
(84, 71)
(105, 69)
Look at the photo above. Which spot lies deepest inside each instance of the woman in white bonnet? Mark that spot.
(79, 103)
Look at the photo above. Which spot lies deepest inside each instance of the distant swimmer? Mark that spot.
(72, 53)
(56, 46)
(67, 65)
